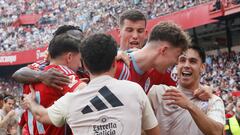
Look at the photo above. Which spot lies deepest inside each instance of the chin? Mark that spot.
(184, 83)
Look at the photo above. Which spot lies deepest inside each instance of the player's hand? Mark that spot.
(176, 97)
(29, 98)
(122, 55)
(85, 80)
(54, 78)
(11, 113)
(203, 93)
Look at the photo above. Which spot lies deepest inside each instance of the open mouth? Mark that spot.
(186, 74)
(134, 44)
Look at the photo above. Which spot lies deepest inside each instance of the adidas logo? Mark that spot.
(99, 104)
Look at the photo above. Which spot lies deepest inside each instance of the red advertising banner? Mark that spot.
(23, 57)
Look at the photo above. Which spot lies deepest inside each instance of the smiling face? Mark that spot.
(132, 34)
(190, 67)
(9, 105)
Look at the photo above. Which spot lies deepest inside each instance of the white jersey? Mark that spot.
(174, 120)
(106, 106)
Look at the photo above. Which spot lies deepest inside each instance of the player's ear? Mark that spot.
(68, 57)
(163, 49)
(202, 68)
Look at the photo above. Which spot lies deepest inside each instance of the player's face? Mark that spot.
(132, 34)
(75, 61)
(189, 67)
(168, 58)
(9, 105)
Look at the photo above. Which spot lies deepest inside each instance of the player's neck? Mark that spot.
(191, 87)
(143, 59)
(109, 73)
(57, 62)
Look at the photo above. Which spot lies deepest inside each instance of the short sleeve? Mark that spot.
(149, 120)
(216, 110)
(155, 95)
(58, 111)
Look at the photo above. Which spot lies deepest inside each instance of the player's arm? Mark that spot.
(122, 55)
(39, 112)
(206, 124)
(5, 119)
(153, 131)
(149, 121)
(52, 77)
(27, 75)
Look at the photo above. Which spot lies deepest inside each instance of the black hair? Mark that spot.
(8, 97)
(98, 53)
(63, 43)
(65, 28)
(200, 51)
(132, 15)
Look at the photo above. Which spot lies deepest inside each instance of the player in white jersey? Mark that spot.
(106, 106)
(178, 111)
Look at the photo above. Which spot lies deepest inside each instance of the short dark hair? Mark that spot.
(64, 28)
(200, 51)
(132, 15)
(98, 52)
(63, 43)
(8, 97)
(172, 33)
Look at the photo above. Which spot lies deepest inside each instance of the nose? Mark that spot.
(135, 34)
(187, 63)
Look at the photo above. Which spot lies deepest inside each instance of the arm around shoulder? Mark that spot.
(26, 75)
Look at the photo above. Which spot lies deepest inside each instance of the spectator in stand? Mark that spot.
(8, 119)
(232, 126)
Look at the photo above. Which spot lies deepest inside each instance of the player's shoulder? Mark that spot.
(158, 89)
(128, 84)
(39, 65)
(215, 98)
(122, 71)
(64, 69)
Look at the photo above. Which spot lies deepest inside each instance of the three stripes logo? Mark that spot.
(99, 103)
